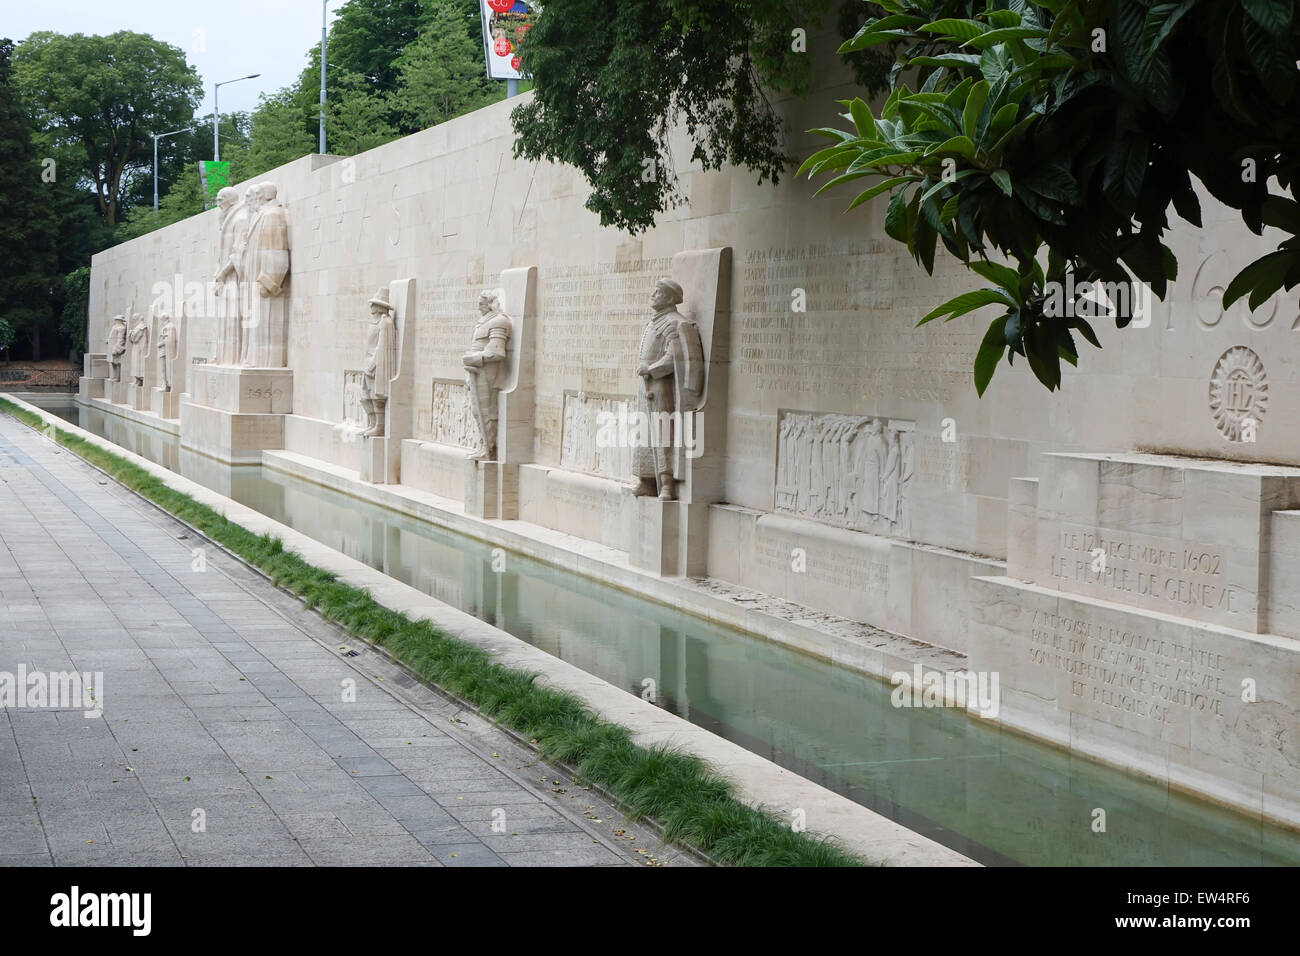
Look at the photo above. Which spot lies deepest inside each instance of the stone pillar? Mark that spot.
(95, 372)
(671, 538)
(492, 487)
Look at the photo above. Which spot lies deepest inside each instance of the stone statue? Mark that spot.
(233, 221)
(672, 383)
(116, 347)
(486, 367)
(167, 342)
(264, 275)
(380, 363)
(139, 338)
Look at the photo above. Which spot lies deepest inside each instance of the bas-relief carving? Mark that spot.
(252, 276)
(486, 364)
(453, 417)
(380, 363)
(354, 413)
(139, 339)
(671, 383)
(116, 347)
(579, 450)
(846, 470)
(1238, 394)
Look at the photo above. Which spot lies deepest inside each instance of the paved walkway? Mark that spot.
(224, 706)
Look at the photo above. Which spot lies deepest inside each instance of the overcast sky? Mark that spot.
(222, 40)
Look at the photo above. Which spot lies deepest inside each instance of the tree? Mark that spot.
(27, 226)
(358, 118)
(1074, 127)
(76, 307)
(279, 134)
(441, 74)
(97, 99)
(611, 81)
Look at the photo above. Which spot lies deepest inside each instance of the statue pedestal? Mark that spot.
(232, 413)
(381, 459)
(88, 388)
(165, 404)
(660, 542)
(491, 489)
(95, 365)
(137, 396)
(117, 392)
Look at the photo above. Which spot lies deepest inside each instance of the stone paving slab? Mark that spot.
(226, 738)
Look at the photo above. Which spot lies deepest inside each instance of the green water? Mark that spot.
(995, 796)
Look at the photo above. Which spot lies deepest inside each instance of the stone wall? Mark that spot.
(453, 208)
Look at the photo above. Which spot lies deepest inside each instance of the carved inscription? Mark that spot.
(827, 564)
(846, 470)
(593, 321)
(835, 349)
(1136, 673)
(1163, 573)
(579, 449)
(452, 420)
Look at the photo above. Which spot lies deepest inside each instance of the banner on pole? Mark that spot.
(504, 24)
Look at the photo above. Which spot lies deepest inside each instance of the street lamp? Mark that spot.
(216, 142)
(324, 29)
(156, 137)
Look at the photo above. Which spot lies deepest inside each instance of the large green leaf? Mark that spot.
(989, 354)
(1273, 15)
(967, 302)
(957, 29)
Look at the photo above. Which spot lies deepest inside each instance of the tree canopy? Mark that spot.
(1074, 127)
(96, 100)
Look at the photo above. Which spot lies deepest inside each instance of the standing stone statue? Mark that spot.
(166, 351)
(264, 276)
(116, 347)
(486, 367)
(672, 381)
(380, 363)
(139, 337)
(233, 221)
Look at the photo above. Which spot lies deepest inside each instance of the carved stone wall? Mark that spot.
(580, 447)
(453, 422)
(353, 413)
(847, 470)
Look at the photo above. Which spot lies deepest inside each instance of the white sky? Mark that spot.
(222, 39)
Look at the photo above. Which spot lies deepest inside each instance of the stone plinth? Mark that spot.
(1182, 536)
(380, 459)
(88, 388)
(491, 489)
(660, 542)
(1134, 623)
(245, 391)
(95, 365)
(137, 397)
(165, 404)
(233, 413)
(117, 392)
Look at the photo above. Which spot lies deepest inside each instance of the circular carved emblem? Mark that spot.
(1238, 394)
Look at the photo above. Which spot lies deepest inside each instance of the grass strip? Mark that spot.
(693, 804)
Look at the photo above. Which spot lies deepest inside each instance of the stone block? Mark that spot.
(245, 391)
(165, 404)
(491, 489)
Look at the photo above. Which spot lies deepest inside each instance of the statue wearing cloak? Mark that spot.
(266, 273)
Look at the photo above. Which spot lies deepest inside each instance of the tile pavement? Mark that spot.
(224, 705)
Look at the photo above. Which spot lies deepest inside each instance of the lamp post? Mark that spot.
(216, 112)
(156, 137)
(324, 34)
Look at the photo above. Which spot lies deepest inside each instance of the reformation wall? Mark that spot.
(438, 316)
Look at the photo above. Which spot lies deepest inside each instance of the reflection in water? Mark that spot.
(993, 795)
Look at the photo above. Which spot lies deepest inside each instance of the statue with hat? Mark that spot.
(486, 366)
(671, 372)
(380, 363)
(116, 347)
